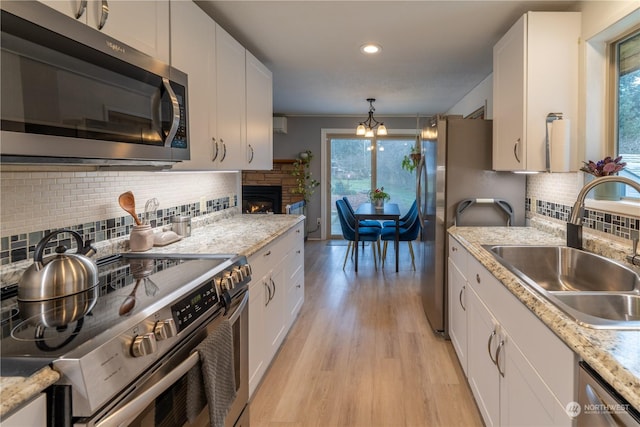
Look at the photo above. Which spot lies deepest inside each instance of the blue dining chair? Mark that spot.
(365, 234)
(364, 222)
(407, 233)
(413, 210)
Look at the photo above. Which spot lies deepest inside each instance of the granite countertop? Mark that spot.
(18, 390)
(612, 353)
(239, 234)
(236, 234)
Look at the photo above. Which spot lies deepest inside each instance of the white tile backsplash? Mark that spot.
(49, 200)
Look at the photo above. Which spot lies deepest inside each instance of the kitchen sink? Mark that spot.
(617, 307)
(593, 290)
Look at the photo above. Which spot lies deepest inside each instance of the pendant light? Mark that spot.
(367, 127)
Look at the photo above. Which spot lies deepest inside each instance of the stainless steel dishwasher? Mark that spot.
(600, 404)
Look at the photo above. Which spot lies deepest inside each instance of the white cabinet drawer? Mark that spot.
(458, 255)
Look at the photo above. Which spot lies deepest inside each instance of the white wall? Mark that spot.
(481, 95)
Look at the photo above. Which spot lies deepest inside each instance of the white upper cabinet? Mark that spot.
(535, 72)
(193, 52)
(230, 95)
(230, 100)
(143, 25)
(259, 146)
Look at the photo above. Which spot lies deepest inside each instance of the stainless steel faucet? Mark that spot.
(574, 226)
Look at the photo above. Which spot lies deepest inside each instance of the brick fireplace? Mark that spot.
(280, 175)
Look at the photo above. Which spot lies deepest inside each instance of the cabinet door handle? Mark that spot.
(104, 14)
(460, 299)
(268, 294)
(516, 146)
(498, 350)
(251, 150)
(267, 254)
(454, 249)
(224, 150)
(214, 145)
(493, 334)
(477, 278)
(274, 288)
(82, 6)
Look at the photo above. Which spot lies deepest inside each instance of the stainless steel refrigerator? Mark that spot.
(455, 166)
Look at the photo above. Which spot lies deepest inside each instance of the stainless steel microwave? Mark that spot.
(73, 95)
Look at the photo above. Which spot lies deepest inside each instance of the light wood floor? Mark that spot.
(361, 353)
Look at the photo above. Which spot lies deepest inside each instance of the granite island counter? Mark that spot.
(236, 234)
(614, 354)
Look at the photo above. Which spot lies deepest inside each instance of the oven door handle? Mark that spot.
(133, 408)
(232, 319)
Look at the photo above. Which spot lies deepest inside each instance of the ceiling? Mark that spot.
(433, 52)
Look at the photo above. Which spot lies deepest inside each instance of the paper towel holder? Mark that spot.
(551, 117)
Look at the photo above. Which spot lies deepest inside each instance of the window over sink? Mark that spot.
(625, 59)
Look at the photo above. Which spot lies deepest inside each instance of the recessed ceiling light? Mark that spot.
(370, 48)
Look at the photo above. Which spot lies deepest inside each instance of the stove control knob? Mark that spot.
(239, 273)
(143, 345)
(246, 269)
(165, 329)
(230, 279)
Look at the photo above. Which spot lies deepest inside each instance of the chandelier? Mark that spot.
(367, 127)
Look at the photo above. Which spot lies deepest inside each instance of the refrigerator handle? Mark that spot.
(420, 173)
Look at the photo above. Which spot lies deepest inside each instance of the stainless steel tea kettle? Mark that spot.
(60, 275)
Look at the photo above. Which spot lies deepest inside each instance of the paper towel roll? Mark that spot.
(560, 142)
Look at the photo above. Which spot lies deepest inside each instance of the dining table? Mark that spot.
(388, 211)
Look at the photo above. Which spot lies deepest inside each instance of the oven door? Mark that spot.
(161, 398)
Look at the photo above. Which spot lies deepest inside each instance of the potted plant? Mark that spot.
(378, 197)
(605, 167)
(306, 185)
(410, 161)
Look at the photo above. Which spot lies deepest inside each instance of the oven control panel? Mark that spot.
(215, 291)
(198, 302)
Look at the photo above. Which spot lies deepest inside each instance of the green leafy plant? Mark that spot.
(306, 185)
(410, 161)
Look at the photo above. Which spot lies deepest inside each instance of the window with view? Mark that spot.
(627, 129)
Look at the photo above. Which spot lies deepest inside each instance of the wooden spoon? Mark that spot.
(128, 203)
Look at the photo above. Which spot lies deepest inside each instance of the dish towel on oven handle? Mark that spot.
(212, 380)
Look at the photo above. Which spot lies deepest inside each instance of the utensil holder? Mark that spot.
(141, 238)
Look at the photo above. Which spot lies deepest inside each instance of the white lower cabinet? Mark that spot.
(274, 308)
(276, 294)
(457, 294)
(33, 414)
(295, 273)
(520, 373)
(482, 374)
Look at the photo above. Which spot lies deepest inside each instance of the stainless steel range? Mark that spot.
(125, 361)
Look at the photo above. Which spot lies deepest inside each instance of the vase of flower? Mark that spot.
(605, 167)
(377, 197)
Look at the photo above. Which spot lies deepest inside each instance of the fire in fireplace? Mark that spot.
(261, 199)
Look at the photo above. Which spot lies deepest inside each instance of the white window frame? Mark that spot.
(598, 102)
